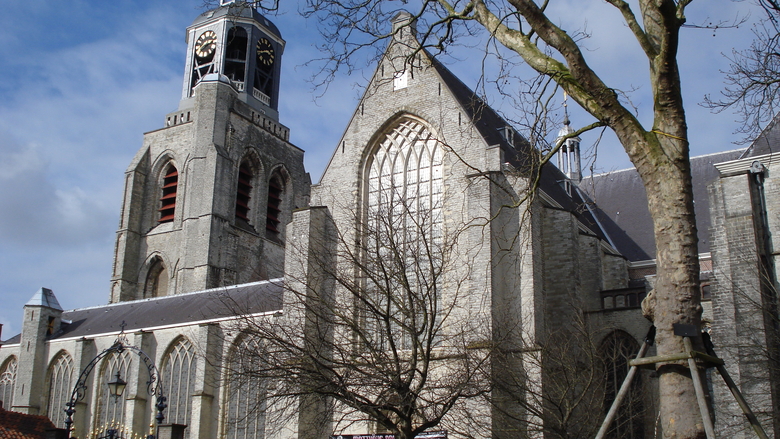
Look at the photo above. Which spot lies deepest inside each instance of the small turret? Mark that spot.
(569, 155)
(41, 320)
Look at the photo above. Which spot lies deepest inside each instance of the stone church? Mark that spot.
(219, 215)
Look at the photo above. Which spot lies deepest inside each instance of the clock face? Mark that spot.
(206, 44)
(265, 53)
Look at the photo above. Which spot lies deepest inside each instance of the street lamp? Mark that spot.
(117, 385)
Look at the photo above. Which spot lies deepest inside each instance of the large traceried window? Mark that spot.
(178, 378)
(111, 410)
(8, 382)
(61, 380)
(245, 408)
(617, 349)
(403, 231)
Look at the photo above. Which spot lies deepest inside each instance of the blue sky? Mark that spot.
(83, 80)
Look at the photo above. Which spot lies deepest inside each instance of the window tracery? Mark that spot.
(61, 382)
(178, 378)
(616, 349)
(245, 408)
(111, 411)
(8, 382)
(404, 230)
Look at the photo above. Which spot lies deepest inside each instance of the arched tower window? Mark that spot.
(245, 409)
(178, 378)
(273, 214)
(405, 180)
(203, 56)
(235, 56)
(264, 70)
(111, 411)
(244, 191)
(403, 229)
(616, 349)
(156, 284)
(8, 382)
(61, 382)
(168, 198)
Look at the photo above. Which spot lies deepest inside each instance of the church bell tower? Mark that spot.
(208, 196)
(237, 44)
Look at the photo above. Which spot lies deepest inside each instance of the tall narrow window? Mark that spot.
(244, 191)
(403, 232)
(156, 280)
(178, 378)
(203, 61)
(111, 410)
(275, 190)
(60, 386)
(8, 382)
(245, 409)
(168, 199)
(617, 348)
(235, 56)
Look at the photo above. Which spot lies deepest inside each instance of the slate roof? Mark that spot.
(44, 297)
(15, 425)
(621, 205)
(236, 10)
(519, 153)
(180, 309)
(767, 142)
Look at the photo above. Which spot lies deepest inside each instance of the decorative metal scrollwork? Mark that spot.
(153, 386)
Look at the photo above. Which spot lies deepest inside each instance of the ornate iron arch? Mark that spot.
(153, 386)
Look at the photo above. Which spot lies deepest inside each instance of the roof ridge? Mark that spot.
(210, 290)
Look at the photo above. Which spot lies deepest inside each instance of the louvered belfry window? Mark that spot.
(275, 189)
(168, 199)
(243, 193)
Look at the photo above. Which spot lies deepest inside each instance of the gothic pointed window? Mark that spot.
(235, 56)
(111, 410)
(246, 406)
(178, 378)
(61, 380)
(168, 198)
(616, 350)
(8, 382)
(274, 207)
(156, 284)
(244, 191)
(403, 230)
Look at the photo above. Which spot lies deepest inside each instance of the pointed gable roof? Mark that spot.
(518, 151)
(44, 297)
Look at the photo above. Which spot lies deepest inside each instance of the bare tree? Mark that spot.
(370, 334)
(753, 79)
(659, 150)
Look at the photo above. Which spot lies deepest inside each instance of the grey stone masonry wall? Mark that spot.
(742, 320)
(39, 323)
(206, 245)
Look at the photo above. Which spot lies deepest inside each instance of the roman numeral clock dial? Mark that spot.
(206, 44)
(265, 53)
